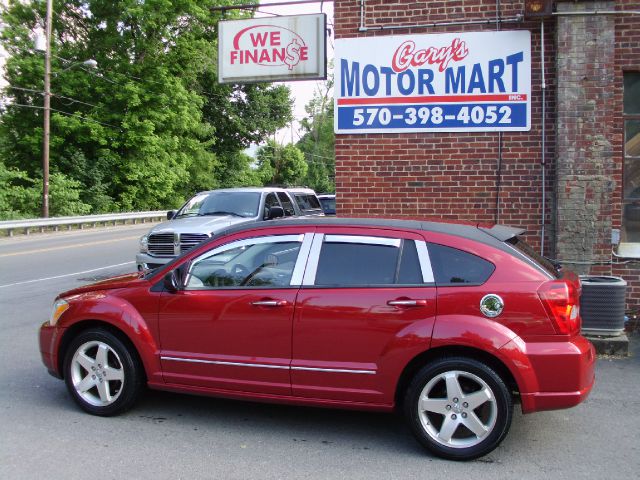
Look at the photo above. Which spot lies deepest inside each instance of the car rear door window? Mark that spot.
(409, 272)
(456, 267)
(349, 261)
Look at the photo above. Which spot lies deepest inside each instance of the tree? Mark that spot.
(236, 169)
(281, 164)
(318, 141)
(150, 125)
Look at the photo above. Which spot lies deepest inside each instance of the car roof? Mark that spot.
(245, 189)
(494, 236)
(301, 190)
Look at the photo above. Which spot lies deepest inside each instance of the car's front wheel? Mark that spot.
(458, 408)
(102, 374)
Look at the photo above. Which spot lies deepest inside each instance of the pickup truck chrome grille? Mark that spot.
(164, 244)
(161, 244)
(190, 240)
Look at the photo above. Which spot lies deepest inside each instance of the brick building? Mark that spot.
(572, 180)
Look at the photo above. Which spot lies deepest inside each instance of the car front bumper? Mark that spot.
(145, 261)
(49, 339)
(556, 374)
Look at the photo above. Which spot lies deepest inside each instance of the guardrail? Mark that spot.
(55, 223)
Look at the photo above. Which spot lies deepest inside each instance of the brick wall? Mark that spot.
(586, 164)
(455, 175)
(448, 175)
(627, 58)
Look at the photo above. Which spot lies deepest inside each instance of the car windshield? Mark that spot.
(239, 204)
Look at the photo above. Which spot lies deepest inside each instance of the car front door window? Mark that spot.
(264, 262)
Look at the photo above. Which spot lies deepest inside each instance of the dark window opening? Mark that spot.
(455, 267)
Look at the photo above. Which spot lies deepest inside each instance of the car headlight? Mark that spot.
(59, 307)
(144, 244)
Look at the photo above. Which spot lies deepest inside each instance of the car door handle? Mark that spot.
(407, 303)
(270, 303)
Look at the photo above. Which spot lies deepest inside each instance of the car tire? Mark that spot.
(458, 408)
(102, 373)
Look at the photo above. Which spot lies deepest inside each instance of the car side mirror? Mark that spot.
(275, 212)
(174, 280)
(171, 214)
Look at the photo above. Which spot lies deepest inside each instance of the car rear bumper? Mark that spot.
(49, 339)
(557, 374)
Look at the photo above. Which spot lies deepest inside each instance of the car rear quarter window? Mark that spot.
(456, 267)
(366, 264)
(542, 262)
(307, 202)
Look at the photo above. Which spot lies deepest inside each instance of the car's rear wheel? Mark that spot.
(102, 374)
(458, 408)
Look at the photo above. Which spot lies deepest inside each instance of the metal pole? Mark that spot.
(47, 112)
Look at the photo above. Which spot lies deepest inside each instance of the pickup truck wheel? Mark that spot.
(101, 373)
(458, 408)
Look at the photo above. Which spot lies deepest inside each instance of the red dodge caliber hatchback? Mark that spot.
(449, 323)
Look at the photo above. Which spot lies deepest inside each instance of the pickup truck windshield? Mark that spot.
(241, 204)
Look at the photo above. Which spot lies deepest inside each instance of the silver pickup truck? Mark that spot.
(210, 212)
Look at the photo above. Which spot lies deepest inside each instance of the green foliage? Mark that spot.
(150, 125)
(281, 164)
(318, 141)
(20, 196)
(236, 170)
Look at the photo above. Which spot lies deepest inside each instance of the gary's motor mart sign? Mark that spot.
(269, 49)
(453, 82)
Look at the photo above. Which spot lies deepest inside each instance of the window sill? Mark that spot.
(629, 250)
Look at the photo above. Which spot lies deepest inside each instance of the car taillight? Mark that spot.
(561, 300)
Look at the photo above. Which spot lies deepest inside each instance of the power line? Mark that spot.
(73, 100)
(87, 119)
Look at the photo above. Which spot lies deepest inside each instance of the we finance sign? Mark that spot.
(454, 82)
(268, 49)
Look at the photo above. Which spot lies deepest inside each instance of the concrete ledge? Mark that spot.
(618, 345)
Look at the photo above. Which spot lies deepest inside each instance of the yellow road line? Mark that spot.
(63, 247)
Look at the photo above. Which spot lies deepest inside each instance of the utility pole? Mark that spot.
(47, 112)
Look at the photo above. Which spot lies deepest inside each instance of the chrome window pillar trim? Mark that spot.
(425, 261)
(312, 263)
(301, 262)
(389, 242)
(220, 362)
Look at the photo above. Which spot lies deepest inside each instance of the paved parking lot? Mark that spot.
(43, 434)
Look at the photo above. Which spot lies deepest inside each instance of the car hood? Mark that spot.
(204, 224)
(120, 281)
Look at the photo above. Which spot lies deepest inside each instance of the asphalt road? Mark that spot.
(43, 434)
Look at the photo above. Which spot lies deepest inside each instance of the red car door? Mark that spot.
(367, 305)
(230, 328)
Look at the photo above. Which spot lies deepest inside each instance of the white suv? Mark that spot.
(211, 212)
